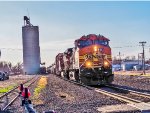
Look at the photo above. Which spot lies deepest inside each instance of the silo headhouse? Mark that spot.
(31, 48)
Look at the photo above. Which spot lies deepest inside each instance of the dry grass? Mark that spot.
(6, 89)
(40, 86)
(131, 73)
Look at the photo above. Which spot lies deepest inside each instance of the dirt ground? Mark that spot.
(133, 73)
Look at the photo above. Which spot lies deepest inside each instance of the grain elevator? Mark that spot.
(31, 48)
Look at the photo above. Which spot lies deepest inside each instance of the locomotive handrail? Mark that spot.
(81, 66)
(83, 63)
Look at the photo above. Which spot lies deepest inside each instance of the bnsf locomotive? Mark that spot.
(89, 62)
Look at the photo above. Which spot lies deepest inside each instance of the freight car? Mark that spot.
(43, 70)
(89, 62)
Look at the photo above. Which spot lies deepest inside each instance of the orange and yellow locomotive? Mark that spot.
(88, 62)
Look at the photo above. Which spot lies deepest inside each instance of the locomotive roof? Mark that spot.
(93, 37)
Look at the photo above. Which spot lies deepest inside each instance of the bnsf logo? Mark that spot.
(89, 56)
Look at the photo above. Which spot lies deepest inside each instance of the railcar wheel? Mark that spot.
(66, 75)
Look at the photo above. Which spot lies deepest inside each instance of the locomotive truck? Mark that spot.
(89, 62)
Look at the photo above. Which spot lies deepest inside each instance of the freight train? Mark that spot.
(88, 62)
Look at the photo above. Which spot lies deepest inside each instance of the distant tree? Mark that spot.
(147, 61)
(1, 64)
(116, 61)
(133, 58)
(17, 69)
(4, 66)
(10, 65)
(114, 58)
(127, 58)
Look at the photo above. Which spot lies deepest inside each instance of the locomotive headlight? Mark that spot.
(106, 64)
(88, 64)
(95, 48)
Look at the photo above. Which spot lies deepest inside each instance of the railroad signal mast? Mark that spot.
(139, 58)
(120, 59)
(143, 56)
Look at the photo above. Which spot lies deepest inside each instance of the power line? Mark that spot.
(126, 46)
(10, 49)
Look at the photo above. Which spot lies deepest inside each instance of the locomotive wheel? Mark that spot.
(77, 76)
(85, 80)
(109, 80)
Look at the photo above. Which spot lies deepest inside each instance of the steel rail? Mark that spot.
(10, 103)
(131, 102)
(146, 95)
(120, 97)
(15, 88)
(14, 99)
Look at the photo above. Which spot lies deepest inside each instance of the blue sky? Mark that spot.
(60, 23)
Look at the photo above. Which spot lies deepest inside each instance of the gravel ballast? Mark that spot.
(66, 97)
(138, 83)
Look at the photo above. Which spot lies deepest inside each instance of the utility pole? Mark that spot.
(149, 58)
(143, 56)
(0, 53)
(149, 52)
(120, 59)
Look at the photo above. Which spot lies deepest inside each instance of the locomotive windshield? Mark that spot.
(84, 43)
(101, 42)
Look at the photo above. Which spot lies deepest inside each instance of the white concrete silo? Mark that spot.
(31, 48)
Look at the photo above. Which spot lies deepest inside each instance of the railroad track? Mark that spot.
(132, 92)
(124, 96)
(10, 97)
(130, 98)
